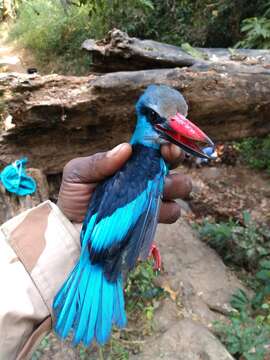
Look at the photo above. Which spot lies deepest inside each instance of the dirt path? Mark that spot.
(11, 58)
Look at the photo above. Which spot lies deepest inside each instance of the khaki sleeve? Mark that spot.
(38, 249)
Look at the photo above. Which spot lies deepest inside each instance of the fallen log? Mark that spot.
(56, 118)
(119, 52)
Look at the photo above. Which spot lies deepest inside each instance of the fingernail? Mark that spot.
(175, 152)
(115, 150)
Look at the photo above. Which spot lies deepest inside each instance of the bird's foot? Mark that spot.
(154, 252)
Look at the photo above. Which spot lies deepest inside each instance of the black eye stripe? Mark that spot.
(152, 116)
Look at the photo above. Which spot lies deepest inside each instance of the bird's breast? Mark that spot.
(129, 182)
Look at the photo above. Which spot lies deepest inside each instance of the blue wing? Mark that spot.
(122, 216)
(120, 224)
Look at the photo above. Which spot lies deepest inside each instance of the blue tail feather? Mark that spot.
(105, 315)
(64, 305)
(89, 304)
(93, 313)
(119, 317)
(84, 303)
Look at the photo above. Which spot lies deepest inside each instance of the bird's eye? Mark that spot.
(153, 116)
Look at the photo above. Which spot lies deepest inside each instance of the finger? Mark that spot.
(172, 154)
(177, 186)
(98, 166)
(169, 212)
(78, 196)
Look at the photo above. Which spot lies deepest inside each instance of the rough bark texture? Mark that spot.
(57, 118)
(119, 52)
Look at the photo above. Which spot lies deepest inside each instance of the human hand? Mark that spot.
(81, 176)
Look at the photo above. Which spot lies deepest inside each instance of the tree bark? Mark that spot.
(119, 52)
(56, 118)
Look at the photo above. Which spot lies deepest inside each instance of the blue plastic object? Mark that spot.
(210, 151)
(15, 180)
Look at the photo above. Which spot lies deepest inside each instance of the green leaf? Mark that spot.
(263, 275)
(246, 218)
(194, 52)
(147, 3)
(239, 300)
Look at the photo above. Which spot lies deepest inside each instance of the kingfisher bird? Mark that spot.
(121, 220)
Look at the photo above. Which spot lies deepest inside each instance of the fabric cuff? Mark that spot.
(47, 244)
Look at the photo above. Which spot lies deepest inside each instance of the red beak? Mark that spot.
(182, 132)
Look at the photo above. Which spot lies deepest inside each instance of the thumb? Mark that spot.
(97, 167)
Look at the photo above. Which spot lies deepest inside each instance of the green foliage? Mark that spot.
(194, 52)
(262, 296)
(60, 30)
(244, 336)
(141, 289)
(140, 295)
(171, 22)
(257, 33)
(257, 30)
(248, 332)
(199, 22)
(54, 30)
(256, 152)
(243, 245)
(118, 351)
(43, 347)
(259, 303)
(53, 34)
(130, 16)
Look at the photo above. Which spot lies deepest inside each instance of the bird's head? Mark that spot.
(161, 113)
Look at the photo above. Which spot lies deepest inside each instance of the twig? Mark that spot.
(100, 351)
(132, 341)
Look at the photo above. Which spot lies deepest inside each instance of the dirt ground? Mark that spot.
(226, 191)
